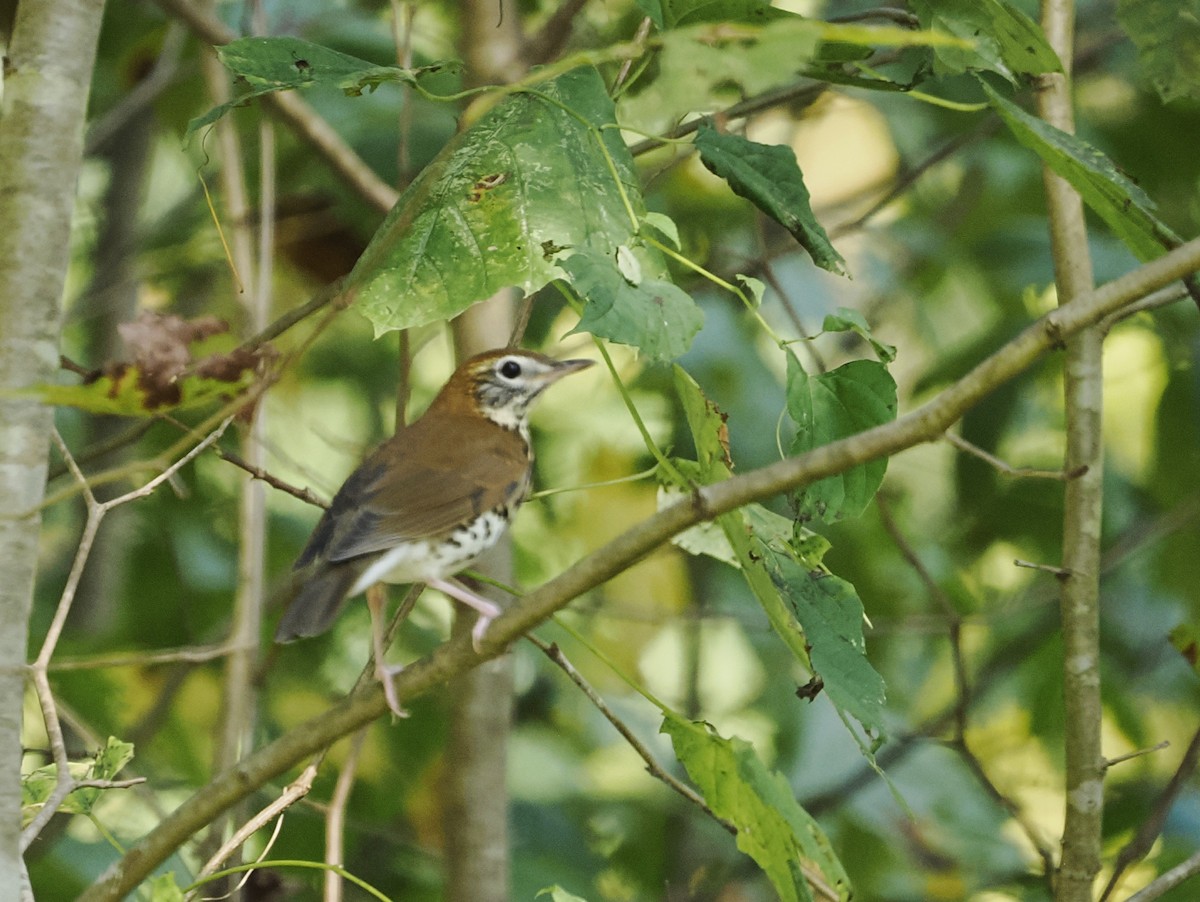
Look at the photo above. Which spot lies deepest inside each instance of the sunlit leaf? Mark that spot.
(829, 406)
(1104, 188)
(531, 180)
(1167, 36)
(769, 177)
(1005, 39)
(773, 828)
(655, 316)
(701, 68)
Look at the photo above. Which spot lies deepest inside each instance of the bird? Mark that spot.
(427, 502)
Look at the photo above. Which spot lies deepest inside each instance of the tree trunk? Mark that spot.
(48, 73)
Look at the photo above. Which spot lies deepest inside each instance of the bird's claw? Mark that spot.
(386, 675)
(482, 622)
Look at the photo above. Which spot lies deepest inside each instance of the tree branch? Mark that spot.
(924, 424)
(1083, 501)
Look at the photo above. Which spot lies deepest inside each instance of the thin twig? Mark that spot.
(197, 654)
(305, 495)
(1012, 808)
(912, 174)
(1003, 466)
(96, 510)
(555, 654)
(1165, 883)
(1151, 828)
(335, 819)
(292, 793)
(1059, 573)
(1138, 753)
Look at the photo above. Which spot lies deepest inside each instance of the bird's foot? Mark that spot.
(488, 610)
(386, 674)
(482, 622)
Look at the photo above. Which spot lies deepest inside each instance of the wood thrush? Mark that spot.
(425, 504)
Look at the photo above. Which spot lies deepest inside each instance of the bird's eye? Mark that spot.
(510, 369)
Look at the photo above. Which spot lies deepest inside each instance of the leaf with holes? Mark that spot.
(271, 64)
(537, 176)
(769, 177)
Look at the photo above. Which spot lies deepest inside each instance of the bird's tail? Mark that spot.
(316, 594)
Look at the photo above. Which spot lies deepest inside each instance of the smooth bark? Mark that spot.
(49, 70)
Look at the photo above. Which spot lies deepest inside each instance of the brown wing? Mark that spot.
(419, 486)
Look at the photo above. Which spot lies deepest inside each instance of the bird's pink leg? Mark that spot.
(376, 598)
(488, 611)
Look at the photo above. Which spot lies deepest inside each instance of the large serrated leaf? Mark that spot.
(773, 828)
(653, 315)
(829, 406)
(769, 177)
(1006, 41)
(534, 176)
(1123, 206)
(1167, 36)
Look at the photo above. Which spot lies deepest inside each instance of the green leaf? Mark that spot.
(843, 402)
(37, 785)
(536, 175)
(125, 393)
(847, 320)
(1167, 36)
(270, 64)
(1122, 205)
(707, 425)
(769, 177)
(817, 615)
(1005, 40)
(163, 888)
(831, 615)
(772, 827)
(655, 315)
(704, 67)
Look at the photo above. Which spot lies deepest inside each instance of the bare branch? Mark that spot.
(1006, 468)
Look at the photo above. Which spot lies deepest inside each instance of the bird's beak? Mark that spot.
(565, 368)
